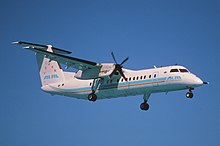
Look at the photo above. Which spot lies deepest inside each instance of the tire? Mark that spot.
(189, 95)
(92, 97)
(144, 106)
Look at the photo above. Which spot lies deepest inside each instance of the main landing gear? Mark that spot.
(92, 97)
(189, 94)
(145, 106)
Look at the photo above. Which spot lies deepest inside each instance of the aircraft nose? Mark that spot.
(198, 81)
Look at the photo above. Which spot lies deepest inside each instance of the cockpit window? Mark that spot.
(174, 70)
(184, 70)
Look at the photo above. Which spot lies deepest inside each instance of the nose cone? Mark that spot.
(194, 81)
(197, 81)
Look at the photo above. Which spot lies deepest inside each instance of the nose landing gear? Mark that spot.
(189, 94)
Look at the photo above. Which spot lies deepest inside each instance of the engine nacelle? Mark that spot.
(101, 70)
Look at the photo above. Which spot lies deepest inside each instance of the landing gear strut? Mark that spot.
(145, 106)
(92, 96)
(189, 94)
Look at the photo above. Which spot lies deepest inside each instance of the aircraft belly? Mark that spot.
(170, 87)
(118, 89)
(112, 92)
(82, 93)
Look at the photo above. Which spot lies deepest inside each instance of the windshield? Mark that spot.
(174, 70)
(184, 70)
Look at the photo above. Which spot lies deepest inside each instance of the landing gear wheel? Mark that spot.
(92, 97)
(144, 106)
(189, 95)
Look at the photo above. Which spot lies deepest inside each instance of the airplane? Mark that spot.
(94, 81)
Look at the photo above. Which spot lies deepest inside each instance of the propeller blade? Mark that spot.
(113, 72)
(113, 56)
(118, 67)
(126, 59)
(122, 74)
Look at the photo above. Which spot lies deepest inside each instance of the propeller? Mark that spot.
(118, 67)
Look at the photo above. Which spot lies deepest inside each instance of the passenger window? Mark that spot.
(133, 78)
(122, 80)
(141, 77)
(144, 77)
(155, 75)
(137, 78)
(130, 79)
(183, 70)
(149, 76)
(174, 70)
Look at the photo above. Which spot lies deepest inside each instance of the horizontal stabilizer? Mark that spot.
(77, 63)
(31, 46)
(49, 54)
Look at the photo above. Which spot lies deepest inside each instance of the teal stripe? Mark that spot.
(116, 85)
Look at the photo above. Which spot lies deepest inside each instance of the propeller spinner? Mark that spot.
(118, 67)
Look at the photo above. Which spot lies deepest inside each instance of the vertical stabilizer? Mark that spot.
(50, 71)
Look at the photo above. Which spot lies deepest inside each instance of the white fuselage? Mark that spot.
(138, 82)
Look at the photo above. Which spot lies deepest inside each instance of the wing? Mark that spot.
(57, 55)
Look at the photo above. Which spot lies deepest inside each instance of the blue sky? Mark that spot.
(150, 32)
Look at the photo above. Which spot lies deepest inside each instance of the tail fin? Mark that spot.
(50, 71)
